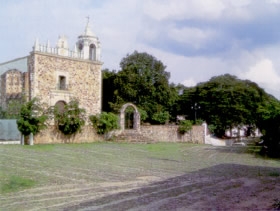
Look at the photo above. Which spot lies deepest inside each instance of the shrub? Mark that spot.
(31, 117)
(71, 120)
(212, 128)
(143, 114)
(184, 126)
(104, 122)
(199, 122)
(161, 117)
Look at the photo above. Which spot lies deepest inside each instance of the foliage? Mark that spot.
(212, 128)
(269, 123)
(143, 114)
(32, 117)
(108, 89)
(13, 109)
(161, 117)
(199, 122)
(143, 81)
(225, 102)
(104, 122)
(16, 183)
(2, 113)
(72, 119)
(184, 126)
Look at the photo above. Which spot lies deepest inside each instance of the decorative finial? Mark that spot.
(87, 20)
(87, 29)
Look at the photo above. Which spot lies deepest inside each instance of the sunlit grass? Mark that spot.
(16, 183)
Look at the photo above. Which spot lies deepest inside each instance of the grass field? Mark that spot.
(64, 176)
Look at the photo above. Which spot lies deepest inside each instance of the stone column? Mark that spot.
(31, 139)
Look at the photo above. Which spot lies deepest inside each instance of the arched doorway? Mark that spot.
(129, 121)
(60, 106)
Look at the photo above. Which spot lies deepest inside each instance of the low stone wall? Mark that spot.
(156, 133)
(169, 133)
(52, 135)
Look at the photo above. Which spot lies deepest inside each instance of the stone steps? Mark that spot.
(133, 136)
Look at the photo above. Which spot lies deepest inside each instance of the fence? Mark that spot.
(9, 133)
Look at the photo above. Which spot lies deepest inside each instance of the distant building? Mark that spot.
(56, 74)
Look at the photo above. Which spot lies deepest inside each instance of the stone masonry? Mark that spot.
(82, 80)
(57, 74)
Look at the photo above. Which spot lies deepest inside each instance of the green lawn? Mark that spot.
(42, 176)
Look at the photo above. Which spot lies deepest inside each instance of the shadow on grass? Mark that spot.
(183, 191)
(251, 149)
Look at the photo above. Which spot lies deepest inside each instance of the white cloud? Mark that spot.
(273, 1)
(192, 36)
(152, 26)
(198, 9)
(179, 10)
(189, 82)
(264, 73)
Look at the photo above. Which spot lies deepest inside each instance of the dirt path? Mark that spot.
(139, 177)
(196, 191)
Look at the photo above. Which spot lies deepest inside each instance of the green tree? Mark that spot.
(269, 123)
(13, 109)
(143, 81)
(225, 102)
(104, 122)
(32, 117)
(108, 88)
(71, 119)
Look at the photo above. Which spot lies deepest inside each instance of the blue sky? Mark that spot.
(195, 39)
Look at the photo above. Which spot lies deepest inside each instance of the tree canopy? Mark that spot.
(226, 102)
(143, 81)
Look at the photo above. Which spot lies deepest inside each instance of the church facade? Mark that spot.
(57, 74)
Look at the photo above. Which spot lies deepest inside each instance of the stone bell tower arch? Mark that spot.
(136, 117)
(88, 45)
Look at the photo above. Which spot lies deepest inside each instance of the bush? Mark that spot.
(199, 122)
(143, 114)
(104, 122)
(71, 120)
(161, 117)
(184, 126)
(31, 117)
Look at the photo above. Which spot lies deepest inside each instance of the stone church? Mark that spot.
(56, 74)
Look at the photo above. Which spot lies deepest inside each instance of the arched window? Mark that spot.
(60, 106)
(92, 52)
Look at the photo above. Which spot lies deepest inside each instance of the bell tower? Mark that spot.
(88, 45)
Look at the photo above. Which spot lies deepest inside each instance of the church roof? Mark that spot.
(19, 64)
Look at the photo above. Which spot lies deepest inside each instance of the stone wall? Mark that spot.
(153, 133)
(52, 135)
(168, 133)
(83, 80)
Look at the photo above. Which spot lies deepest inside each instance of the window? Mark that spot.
(92, 52)
(62, 83)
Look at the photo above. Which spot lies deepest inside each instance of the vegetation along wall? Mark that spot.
(169, 133)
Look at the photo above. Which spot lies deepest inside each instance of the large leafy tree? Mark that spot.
(108, 89)
(143, 80)
(269, 122)
(225, 102)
